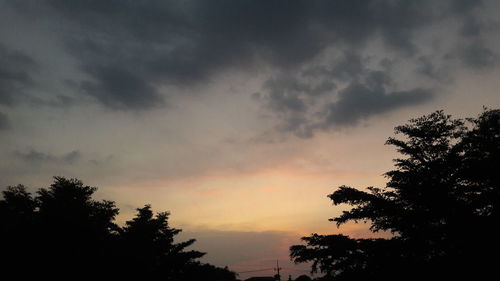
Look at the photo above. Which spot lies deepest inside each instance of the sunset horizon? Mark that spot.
(239, 118)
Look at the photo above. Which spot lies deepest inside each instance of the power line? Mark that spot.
(301, 270)
(272, 268)
(277, 268)
(257, 270)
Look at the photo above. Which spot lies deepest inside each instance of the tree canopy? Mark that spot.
(62, 232)
(441, 204)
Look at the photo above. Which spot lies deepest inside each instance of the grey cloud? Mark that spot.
(120, 89)
(477, 56)
(369, 93)
(300, 125)
(35, 157)
(359, 101)
(286, 93)
(103, 162)
(59, 101)
(426, 67)
(465, 6)
(16, 71)
(128, 51)
(53, 101)
(471, 27)
(292, 99)
(348, 66)
(4, 122)
(293, 96)
(184, 43)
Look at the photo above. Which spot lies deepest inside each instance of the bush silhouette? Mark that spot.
(441, 203)
(62, 233)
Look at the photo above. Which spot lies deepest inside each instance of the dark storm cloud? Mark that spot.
(358, 102)
(4, 122)
(368, 94)
(284, 92)
(36, 157)
(16, 71)
(186, 42)
(477, 56)
(128, 50)
(120, 89)
(471, 27)
(425, 66)
(58, 101)
(465, 6)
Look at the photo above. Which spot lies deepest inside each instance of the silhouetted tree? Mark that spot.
(62, 233)
(303, 278)
(149, 243)
(74, 230)
(17, 210)
(441, 204)
(207, 272)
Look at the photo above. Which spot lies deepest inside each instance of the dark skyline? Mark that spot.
(230, 114)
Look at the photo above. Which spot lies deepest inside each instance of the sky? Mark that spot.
(238, 117)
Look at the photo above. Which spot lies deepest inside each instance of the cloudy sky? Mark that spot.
(239, 117)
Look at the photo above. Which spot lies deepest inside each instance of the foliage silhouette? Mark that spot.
(151, 248)
(303, 278)
(441, 204)
(62, 233)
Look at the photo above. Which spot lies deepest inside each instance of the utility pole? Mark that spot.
(277, 269)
